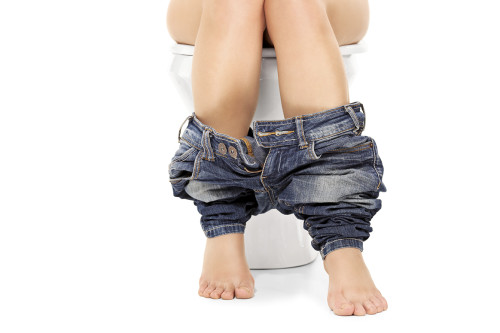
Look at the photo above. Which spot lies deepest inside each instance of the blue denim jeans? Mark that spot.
(316, 166)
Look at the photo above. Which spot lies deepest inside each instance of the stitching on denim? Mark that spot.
(375, 164)
(313, 151)
(327, 136)
(322, 115)
(348, 150)
(184, 155)
(259, 133)
(284, 121)
(218, 154)
(249, 146)
(196, 170)
(337, 240)
(225, 225)
(302, 132)
(234, 161)
(225, 232)
(279, 141)
(354, 117)
(319, 114)
(309, 151)
(190, 143)
(262, 176)
(252, 171)
(323, 254)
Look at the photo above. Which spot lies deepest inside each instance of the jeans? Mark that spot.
(317, 166)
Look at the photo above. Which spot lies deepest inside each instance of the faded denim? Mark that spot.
(316, 166)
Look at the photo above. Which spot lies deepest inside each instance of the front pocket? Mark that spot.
(183, 165)
(342, 145)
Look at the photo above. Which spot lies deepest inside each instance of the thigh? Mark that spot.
(183, 20)
(349, 20)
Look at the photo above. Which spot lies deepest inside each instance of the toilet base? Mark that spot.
(274, 240)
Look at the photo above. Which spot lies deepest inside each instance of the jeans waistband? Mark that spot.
(206, 138)
(300, 130)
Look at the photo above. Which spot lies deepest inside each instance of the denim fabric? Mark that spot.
(316, 166)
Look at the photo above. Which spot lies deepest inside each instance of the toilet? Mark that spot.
(272, 240)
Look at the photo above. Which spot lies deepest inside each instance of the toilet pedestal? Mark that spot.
(272, 240)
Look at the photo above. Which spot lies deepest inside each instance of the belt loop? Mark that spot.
(364, 114)
(300, 132)
(208, 153)
(354, 118)
(180, 128)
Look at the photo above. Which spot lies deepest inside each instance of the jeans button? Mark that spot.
(222, 148)
(232, 152)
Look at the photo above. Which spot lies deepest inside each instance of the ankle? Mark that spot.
(341, 257)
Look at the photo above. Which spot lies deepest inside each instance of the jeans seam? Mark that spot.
(262, 176)
(302, 132)
(184, 155)
(196, 171)
(225, 225)
(322, 250)
(375, 164)
(337, 240)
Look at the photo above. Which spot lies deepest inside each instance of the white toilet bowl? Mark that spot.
(272, 240)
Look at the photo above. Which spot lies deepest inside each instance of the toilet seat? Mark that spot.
(269, 52)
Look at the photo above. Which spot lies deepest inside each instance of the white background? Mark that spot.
(92, 240)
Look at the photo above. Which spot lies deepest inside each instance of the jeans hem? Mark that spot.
(340, 243)
(225, 229)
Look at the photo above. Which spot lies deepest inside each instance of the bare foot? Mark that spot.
(225, 271)
(351, 290)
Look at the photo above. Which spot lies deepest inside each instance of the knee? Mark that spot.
(238, 11)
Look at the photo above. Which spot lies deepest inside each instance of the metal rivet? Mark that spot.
(222, 148)
(232, 152)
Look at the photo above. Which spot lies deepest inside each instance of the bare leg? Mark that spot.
(225, 76)
(310, 67)
(226, 64)
(312, 79)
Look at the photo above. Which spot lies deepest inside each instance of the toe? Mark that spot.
(370, 308)
(378, 303)
(382, 299)
(217, 292)
(244, 291)
(228, 292)
(203, 286)
(340, 305)
(208, 290)
(359, 310)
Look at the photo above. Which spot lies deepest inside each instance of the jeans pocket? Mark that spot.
(349, 143)
(356, 152)
(183, 165)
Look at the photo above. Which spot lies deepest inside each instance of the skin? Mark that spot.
(226, 89)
